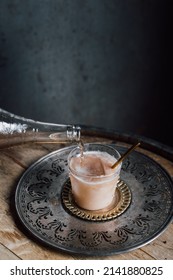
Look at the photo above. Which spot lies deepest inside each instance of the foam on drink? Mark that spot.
(93, 164)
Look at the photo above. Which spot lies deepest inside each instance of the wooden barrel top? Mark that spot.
(14, 161)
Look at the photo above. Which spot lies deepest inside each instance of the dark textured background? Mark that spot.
(97, 62)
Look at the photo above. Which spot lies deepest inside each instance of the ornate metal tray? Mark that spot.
(39, 205)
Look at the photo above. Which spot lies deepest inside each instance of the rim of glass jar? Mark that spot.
(93, 176)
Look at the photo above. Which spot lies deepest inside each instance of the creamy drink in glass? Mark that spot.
(92, 179)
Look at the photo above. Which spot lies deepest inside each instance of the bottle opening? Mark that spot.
(73, 132)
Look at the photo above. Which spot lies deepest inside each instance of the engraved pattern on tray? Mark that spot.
(40, 209)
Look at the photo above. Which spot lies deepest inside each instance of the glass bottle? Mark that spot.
(16, 130)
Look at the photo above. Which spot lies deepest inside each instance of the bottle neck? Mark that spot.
(71, 132)
(16, 129)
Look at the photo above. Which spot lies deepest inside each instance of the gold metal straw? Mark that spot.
(125, 155)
